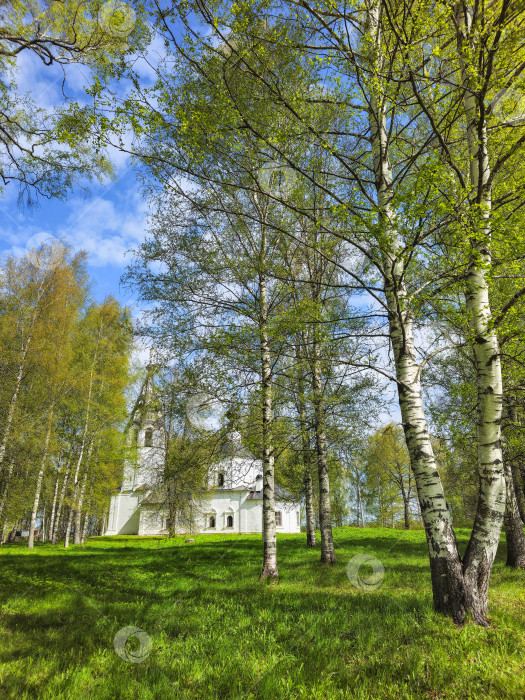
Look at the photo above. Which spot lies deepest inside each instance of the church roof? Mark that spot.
(155, 496)
(279, 492)
(147, 403)
(158, 495)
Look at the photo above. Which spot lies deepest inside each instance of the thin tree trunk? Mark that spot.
(13, 402)
(7, 483)
(31, 540)
(78, 514)
(269, 569)
(69, 522)
(172, 507)
(311, 540)
(360, 506)
(407, 512)
(518, 489)
(325, 514)
(54, 505)
(42, 535)
(81, 455)
(60, 505)
(85, 525)
(513, 525)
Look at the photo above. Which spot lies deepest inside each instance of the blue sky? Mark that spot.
(108, 222)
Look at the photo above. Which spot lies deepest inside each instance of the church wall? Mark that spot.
(290, 513)
(150, 468)
(252, 515)
(239, 471)
(123, 515)
(221, 504)
(152, 521)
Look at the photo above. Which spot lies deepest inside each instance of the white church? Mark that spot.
(233, 500)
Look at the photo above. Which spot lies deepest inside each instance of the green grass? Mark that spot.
(216, 632)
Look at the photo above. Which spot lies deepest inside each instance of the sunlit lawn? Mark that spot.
(216, 632)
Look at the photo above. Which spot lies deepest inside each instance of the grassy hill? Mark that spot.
(211, 630)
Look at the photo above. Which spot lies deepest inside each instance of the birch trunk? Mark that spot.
(406, 512)
(360, 506)
(172, 507)
(513, 525)
(269, 528)
(518, 490)
(54, 505)
(85, 526)
(69, 522)
(60, 505)
(311, 540)
(31, 539)
(78, 514)
(43, 537)
(81, 454)
(484, 540)
(7, 483)
(445, 564)
(12, 403)
(325, 514)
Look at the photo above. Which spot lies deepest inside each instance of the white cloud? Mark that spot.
(107, 228)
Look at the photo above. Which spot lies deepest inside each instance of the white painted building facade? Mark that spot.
(233, 500)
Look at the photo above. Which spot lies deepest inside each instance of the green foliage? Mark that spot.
(47, 152)
(65, 369)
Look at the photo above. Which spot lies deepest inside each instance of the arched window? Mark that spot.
(220, 479)
(229, 521)
(148, 437)
(212, 521)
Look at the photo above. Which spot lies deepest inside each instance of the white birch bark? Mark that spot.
(13, 402)
(513, 525)
(325, 512)
(60, 506)
(78, 516)
(80, 456)
(54, 505)
(269, 527)
(311, 540)
(484, 540)
(445, 564)
(7, 483)
(40, 477)
(360, 505)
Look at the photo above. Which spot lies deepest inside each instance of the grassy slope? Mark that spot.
(216, 632)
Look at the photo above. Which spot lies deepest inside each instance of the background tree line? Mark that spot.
(65, 371)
